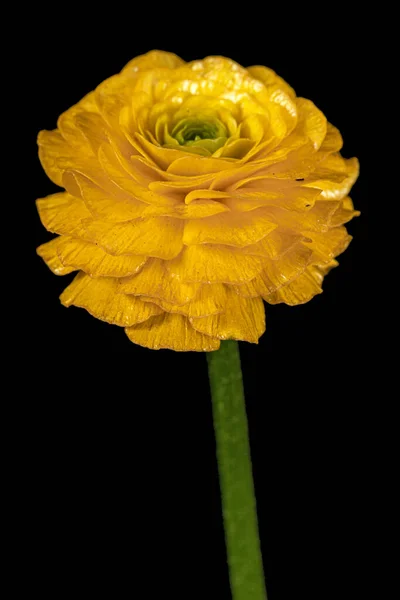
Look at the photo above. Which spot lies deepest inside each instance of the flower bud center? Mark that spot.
(194, 131)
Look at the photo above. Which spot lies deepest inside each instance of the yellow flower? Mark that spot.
(194, 191)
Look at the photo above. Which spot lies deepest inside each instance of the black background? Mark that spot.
(120, 465)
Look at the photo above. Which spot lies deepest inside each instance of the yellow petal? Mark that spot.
(159, 237)
(195, 166)
(100, 298)
(214, 264)
(317, 218)
(67, 125)
(205, 195)
(250, 289)
(280, 272)
(326, 246)
(335, 176)
(49, 254)
(161, 156)
(171, 331)
(196, 210)
(155, 281)
(237, 149)
(154, 59)
(243, 319)
(344, 213)
(94, 261)
(268, 193)
(94, 129)
(276, 244)
(183, 185)
(113, 94)
(53, 148)
(209, 300)
(299, 291)
(269, 78)
(333, 140)
(232, 229)
(311, 122)
(101, 203)
(130, 188)
(62, 213)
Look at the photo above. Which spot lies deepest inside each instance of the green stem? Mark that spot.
(235, 472)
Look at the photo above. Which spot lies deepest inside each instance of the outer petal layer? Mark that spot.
(243, 319)
(171, 331)
(99, 297)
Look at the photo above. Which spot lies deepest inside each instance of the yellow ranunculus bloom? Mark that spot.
(194, 191)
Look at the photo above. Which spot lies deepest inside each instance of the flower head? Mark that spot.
(194, 191)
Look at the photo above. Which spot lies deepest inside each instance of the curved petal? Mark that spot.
(335, 176)
(280, 272)
(171, 331)
(154, 281)
(158, 237)
(231, 228)
(77, 254)
(67, 125)
(53, 150)
(101, 203)
(209, 300)
(326, 246)
(344, 213)
(333, 140)
(49, 254)
(154, 59)
(299, 291)
(311, 122)
(62, 213)
(243, 319)
(207, 263)
(100, 298)
(270, 79)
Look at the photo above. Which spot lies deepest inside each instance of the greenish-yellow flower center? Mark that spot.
(209, 133)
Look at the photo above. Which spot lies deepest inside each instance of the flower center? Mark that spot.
(209, 133)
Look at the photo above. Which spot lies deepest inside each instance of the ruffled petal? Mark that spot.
(277, 273)
(317, 218)
(154, 59)
(333, 140)
(335, 176)
(67, 124)
(155, 281)
(344, 213)
(282, 271)
(311, 122)
(232, 228)
(53, 150)
(78, 254)
(269, 78)
(243, 319)
(100, 298)
(173, 332)
(214, 264)
(299, 291)
(62, 213)
(276, 244)
(101, 203)
(50, 256)
(158, 237)
(304, 288)
(209, 300)
(326, 246)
